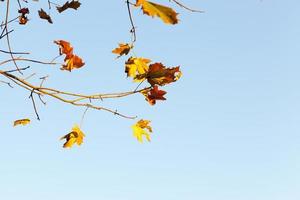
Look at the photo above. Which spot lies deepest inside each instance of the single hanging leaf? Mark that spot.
(72, 61)
(166, 14)
(73, 4)
(123, 49)
(21, 122)
(158, 74)
(151, 95)
(23, 18)
(64, 47)
(136, 66)
(44, 15)
(142, 128)
(75, 136)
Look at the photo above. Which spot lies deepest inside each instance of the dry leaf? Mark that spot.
(167, 14)
(44, 15)
(23, 18)
(123, 49)
(75, 136)
(151, 95)
(73, 4)
(140, 130)
(72, 61)
(64, 47)
(158, 74)
(21, 122)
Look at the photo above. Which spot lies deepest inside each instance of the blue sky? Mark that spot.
(229, 129)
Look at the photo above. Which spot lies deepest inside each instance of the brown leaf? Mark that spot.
(154, 94)
(73, 4)
(23, 18)
(44, 15)
(158, 74)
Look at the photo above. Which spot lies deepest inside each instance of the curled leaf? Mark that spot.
(23, 18)
(123, 49)
(44, 15)
(72, 61)
(64, 47)
(166, 14)
(151, 95)
(73, 4)
(75, 136)
(21, 122)
(142, 128)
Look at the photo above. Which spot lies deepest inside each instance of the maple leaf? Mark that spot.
(158, 74)
(73, 4)
(64, 47)
(151, 95)
(166, 14)
(75, 136)
(72, 61)
(21, 122)
(140, 130)
(123, 49)
(136, 66)
(44, 15)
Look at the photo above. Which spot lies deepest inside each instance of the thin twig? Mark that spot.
(7, 83)
(133, 30)
(83, 115)
(3, 51)
(185, 7)
(7, 36)
(34, 105)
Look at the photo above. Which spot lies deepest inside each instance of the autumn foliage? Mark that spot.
(138, 69)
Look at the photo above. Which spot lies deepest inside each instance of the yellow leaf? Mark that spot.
(21, 122)
(167, 14)
(123, 49)
(140, 130)
(136, 66)
(75, 136)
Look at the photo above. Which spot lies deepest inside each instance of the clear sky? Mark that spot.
(229, 129)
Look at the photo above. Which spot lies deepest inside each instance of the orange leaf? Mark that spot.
(123, 49)
(64, 47)
(72, 61)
